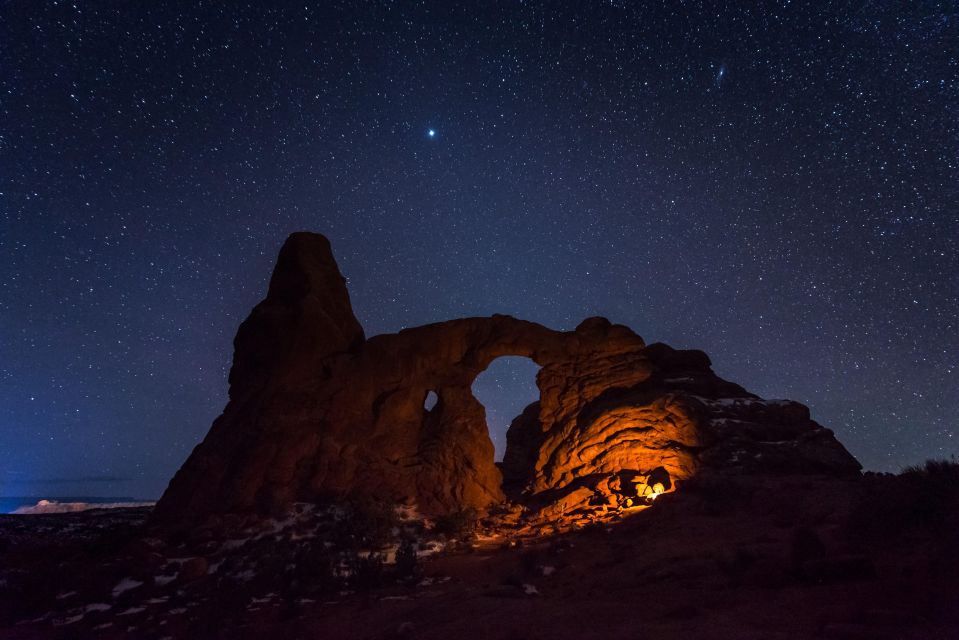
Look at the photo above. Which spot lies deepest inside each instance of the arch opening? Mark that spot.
(505, 388)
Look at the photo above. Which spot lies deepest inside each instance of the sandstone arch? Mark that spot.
(318, 410)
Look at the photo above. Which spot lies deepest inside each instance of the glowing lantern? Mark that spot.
(654, 491)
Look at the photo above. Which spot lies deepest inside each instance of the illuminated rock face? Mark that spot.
(318, 411)
(682, 419)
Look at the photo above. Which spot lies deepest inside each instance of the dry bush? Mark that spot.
(719, 494)
(458, 525)
(921, 497)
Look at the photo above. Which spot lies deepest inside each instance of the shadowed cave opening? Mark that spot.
(505, 388)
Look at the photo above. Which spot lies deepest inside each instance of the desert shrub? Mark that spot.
(228, 600)
(805, 545)
(939, 471)
(459, 525)
(112, 539)
(734, 563)
(922, 496)
(313, 568)
(365, 570)
(25, 595)
(531, 560)
(719, 493)
(366, 524)
(935, 485)
(406, 561)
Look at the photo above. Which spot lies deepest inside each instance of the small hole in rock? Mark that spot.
(431, 400)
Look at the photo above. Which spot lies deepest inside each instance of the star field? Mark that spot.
(774, 184)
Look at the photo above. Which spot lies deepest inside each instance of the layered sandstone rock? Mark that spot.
(317, 411)
(623, 447)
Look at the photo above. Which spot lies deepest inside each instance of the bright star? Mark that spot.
(431, 133)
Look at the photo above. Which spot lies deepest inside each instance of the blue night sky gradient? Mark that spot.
(775, 185)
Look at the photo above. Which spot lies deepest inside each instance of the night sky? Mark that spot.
(776, 185)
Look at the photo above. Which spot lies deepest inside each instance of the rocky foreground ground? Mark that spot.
(759, 557)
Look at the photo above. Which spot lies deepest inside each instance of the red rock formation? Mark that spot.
(317, 411)
(682, 419)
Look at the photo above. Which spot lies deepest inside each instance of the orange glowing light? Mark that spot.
(656, 490)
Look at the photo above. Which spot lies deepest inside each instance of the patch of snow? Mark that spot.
(530, 590)
(309, 535)
(303, 508)
(164, 580)
(177, 611)
(125, 585)
(264, 599)
(97, 606)
(388, 554)
(407, 513)
(735, 402)
(725, 402)
(60, 622)
(281, 525)
(64, 596)
(131, 611)
(547, 570)
(429, 548)
(230, 545)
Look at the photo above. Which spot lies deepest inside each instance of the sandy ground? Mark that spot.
(779, 559)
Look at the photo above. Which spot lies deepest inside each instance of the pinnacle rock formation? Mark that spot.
(317, 411)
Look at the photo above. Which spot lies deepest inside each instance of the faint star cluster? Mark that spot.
(775, 183)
